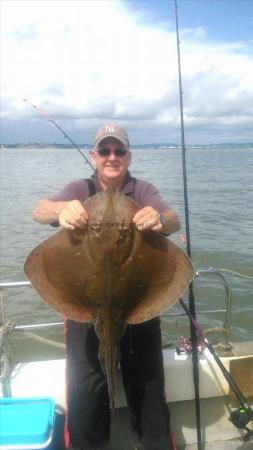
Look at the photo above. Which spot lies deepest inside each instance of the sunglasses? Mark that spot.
(117, 152)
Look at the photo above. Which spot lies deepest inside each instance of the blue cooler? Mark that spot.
(26, 423)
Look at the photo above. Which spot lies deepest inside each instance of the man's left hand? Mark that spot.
(147, 218)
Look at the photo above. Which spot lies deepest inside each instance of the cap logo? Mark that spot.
(109, 129)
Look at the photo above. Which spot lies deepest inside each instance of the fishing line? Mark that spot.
(49, 119)
(188, 246)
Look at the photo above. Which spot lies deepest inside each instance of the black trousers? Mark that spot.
(88, 413)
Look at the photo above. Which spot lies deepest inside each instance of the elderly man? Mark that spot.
(88, 414)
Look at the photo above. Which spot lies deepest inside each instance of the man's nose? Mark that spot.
(112, 156)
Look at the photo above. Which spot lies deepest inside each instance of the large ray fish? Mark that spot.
(109, 273)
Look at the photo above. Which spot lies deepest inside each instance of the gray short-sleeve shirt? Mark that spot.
(144, 193)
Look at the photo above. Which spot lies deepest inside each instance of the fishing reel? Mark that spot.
(240, 419)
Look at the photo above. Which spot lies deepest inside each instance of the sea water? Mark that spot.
(220, 197)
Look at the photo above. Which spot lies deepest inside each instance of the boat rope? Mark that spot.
(6, 327)
(41, 339)
(224, 346)
(5, 366)
(194, 342)
(5, 361)
(9, 328)
(218, 330)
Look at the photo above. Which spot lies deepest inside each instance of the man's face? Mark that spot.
(111, 167)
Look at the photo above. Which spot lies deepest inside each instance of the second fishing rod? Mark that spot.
(244, 414)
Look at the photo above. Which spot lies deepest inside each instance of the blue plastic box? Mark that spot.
(26, 423)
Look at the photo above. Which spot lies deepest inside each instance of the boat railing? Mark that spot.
(199, 273)
(228, 297)
(226, 327)
(16, 284)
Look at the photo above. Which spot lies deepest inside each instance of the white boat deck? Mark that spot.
(218, 433)
(47, 378)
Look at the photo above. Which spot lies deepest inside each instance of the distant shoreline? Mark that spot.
(165, 146)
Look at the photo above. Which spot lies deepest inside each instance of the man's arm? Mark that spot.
(47, 212)
(70, 215)
(170, 222)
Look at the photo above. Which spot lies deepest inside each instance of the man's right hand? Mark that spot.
(73, 215)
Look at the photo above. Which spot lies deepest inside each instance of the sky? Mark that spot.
(88, 62)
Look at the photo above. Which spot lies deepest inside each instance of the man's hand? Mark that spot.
(73, 215)
(147, 219)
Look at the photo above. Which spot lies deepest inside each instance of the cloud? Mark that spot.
(100, 62)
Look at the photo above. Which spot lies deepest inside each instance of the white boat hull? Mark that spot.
(48, 378)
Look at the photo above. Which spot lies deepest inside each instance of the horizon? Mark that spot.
(133, 146)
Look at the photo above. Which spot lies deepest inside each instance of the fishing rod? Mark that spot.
(49, 119)
(188, 246)
(244, 414)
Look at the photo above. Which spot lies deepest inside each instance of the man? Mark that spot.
(88, 415)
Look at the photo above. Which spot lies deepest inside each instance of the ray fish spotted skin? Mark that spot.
(109, 273)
